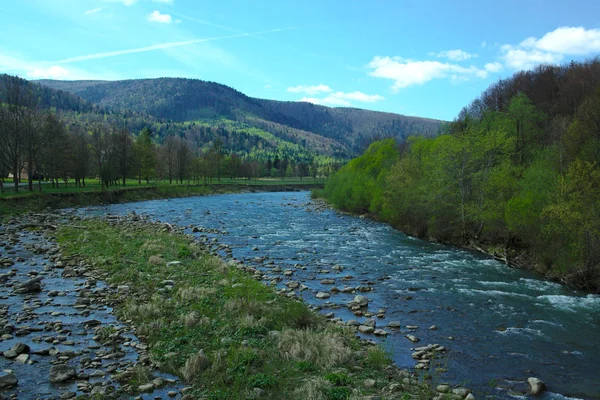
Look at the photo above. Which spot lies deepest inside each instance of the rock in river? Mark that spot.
(537, 386)
(61, 373)
(19, 348)
(7, 380)
(323, 295)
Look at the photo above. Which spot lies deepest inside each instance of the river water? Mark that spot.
(500, 325)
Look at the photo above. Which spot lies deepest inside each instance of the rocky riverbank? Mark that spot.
(68, 330)
(60, 337)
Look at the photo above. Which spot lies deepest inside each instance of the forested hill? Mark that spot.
(182, 100)
(518, 174)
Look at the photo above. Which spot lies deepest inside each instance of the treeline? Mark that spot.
(38, 143)
(517, 173)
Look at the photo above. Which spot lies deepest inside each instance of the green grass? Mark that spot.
(218, 329)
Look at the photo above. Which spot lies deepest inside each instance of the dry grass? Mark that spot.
(156, 260)
(194, 366)
(190, 319)
(312, 389)
(324, 349)
(195, 293)
(152, 246)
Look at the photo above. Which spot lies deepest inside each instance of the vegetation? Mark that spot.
(222, 332)
(516, 173)
(341, 132)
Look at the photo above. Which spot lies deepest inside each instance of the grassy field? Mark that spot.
(224, 333)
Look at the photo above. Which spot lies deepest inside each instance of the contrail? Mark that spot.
(159, 47)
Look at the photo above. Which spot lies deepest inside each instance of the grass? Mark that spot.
(12, 203)
(219, 330)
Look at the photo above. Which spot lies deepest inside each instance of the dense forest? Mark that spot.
(338, 132)
(515, 174)
(52, 135)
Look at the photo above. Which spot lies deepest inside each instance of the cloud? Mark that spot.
(343, 99)
(161, 46)
(407, 73)
(310, 90)
(93, 11)
(454, 55)
(552, 47)
(163, 1)
(267, 86)
(39, 70)
(156, 16)
(493, 67)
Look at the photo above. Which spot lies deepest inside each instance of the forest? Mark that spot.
(516, 174)
(54, 136)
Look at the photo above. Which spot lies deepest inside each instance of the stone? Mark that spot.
(30, 286)
(442, 388)
(369, 383)
(148, 387)
(537, 387)
(323, 295)
(366, 329)
(394, 324)
(61, 373)
(17, 349)
(360, 301)
(412, 338)
(8, 380)
(22, 358)
(122, 289)
(470, 397)
(380, 332)
(462, 392)
(67, 395)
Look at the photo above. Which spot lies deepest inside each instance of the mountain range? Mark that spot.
(176, 105)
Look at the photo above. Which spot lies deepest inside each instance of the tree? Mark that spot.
(145, 152)
(55, 151)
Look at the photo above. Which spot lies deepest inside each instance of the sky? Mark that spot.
(426, 58)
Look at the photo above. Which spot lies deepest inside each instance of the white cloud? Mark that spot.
(310, 90)
(343, 99)
(267, 86)
(407, 73)
(493, 67)
(163, 1)
(454, 55)
(527, 58)
(552, 47)
(483, 44)
(156, 16)
(53, 72)
(93, 11)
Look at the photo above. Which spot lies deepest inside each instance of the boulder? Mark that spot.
(19, 348)
(61, 373)
(8, 380)
(366, 329)
(360, 301)
(30, 286)
(537, 386)
(323, 295)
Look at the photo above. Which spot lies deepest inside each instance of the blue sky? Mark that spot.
(416, 57)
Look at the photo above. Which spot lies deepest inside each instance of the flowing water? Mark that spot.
(500, 325)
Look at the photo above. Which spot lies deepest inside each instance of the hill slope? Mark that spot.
(342, 131)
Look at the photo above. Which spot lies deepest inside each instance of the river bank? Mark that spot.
(36, 202)
(211, 325)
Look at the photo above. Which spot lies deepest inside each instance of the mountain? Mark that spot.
(338, 132)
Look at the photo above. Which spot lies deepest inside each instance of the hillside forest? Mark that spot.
(516, 175)
(175, 130)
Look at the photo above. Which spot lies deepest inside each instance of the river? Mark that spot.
(500, 325)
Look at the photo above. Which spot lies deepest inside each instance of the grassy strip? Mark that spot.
(73, 197)
(227, 335)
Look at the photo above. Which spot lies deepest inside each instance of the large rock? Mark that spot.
(323, 295)
(30, 286)
(8, 380)
(360, 301)
(62, 372)
(537, 386)
(19, 348)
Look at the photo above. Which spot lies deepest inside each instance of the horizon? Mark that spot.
(395, 58)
